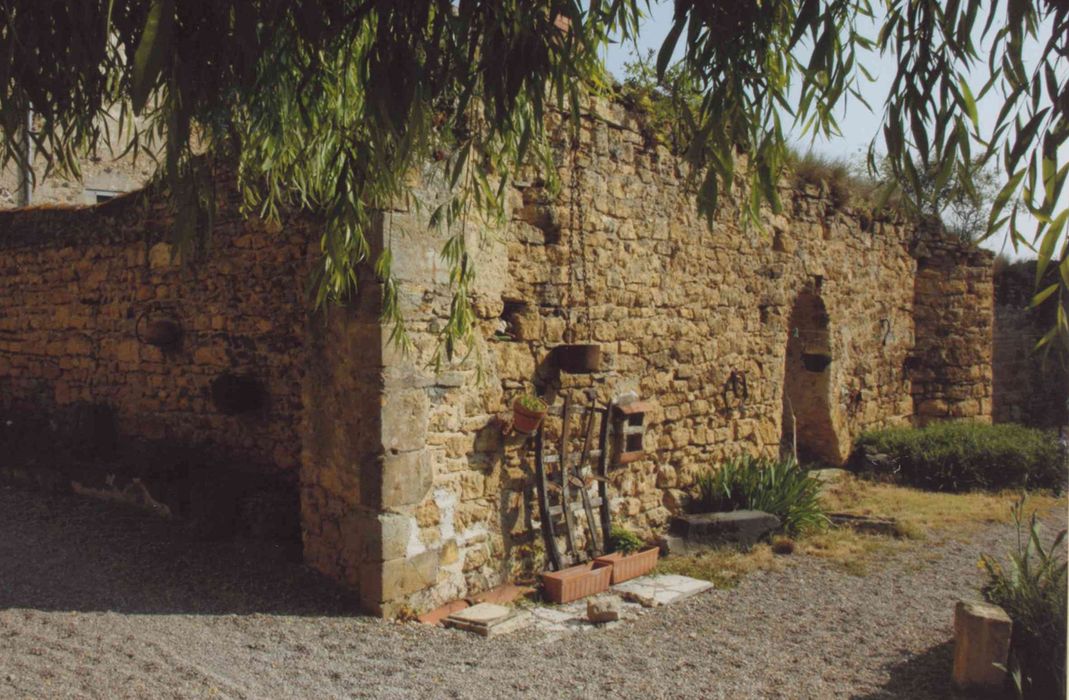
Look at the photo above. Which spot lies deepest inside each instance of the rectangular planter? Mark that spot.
(628, 566)
(575, 582)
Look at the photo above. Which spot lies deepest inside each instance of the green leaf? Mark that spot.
(970, 103)
(153, 51)
(664, 56)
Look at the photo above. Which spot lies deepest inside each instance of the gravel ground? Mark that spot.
(101, 602)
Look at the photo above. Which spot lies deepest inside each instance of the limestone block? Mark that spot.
(394, 531)
(393, 579)
(981, 645)
(406, 478)
(405, 415)
(162, 255)
(603, 608)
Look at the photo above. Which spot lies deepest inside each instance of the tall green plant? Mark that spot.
(777, 486)
(1031, 588)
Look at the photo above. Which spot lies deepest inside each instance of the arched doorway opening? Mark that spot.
(807, 420)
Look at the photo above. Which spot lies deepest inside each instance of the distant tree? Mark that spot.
(328, 104)
(963, 206)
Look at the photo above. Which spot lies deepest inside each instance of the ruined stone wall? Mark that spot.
(951, 364)
(621, 258)
(1030, 386)
(80, 287)
(77, 281)
(410, 490)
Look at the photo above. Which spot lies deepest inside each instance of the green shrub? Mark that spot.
(960, 456)
(780, 487)
(624, 541)
(1032, 590)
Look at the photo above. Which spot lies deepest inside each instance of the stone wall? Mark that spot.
(412, 490)
(1030, 386)
(954, 294)
(693, 318)
(82, 284)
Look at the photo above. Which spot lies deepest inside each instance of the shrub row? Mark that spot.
(959, 456)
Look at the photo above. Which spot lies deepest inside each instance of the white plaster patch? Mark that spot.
(446, 501)
(415, 544)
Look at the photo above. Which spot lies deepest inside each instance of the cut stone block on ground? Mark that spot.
(741, 527)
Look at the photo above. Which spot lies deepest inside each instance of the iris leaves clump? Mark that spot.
(776, 486)
(1031, 588)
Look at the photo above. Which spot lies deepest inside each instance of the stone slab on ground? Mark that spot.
(489, 619)
(867, 524)
(663, 589)
(743, 527)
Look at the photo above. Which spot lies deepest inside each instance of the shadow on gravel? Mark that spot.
(921, 677)
(61, 552)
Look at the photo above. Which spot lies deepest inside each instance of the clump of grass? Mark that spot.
(724, 567)
(847, 550)
(845, 182)
(780, 487)
(624, 541)
(962, 456)
(783, 545)
(1031, 588)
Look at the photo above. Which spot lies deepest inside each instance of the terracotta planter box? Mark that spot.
(628, 566)
(576, 582)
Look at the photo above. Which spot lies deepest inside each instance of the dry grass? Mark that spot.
(918, 514)
(921, 512)
(724, 566)
(842, 181)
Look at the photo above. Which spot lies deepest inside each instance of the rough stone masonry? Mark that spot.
(409, 492)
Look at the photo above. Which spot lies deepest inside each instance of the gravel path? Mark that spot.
(100, 602)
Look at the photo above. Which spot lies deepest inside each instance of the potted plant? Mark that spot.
(630, 557)
(527, 413)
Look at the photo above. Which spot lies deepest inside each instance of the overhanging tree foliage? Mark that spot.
(329, 104)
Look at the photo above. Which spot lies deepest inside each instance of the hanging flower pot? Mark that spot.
(527, 413)
(816, 361)
(162, 333)
(578, 358)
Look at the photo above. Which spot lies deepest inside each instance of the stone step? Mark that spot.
(743, 527)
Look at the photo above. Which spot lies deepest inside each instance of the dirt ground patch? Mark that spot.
(100, 602)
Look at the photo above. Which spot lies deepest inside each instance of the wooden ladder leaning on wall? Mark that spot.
(558, 502)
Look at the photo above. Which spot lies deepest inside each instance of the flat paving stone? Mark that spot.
(489, 619)
(653, 591)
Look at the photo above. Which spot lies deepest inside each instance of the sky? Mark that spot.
(857, 124)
